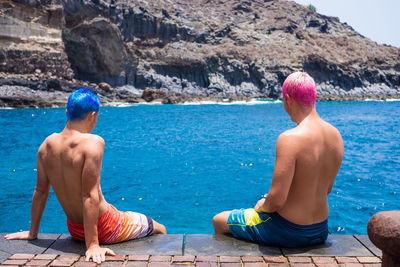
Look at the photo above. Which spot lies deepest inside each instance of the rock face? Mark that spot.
(187, 49)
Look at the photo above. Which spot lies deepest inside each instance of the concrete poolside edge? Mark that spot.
(219, 247)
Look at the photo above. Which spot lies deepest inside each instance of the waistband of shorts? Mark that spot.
(106, 213)
(317, 227)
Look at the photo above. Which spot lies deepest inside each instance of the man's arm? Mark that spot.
(284, 169)
(339, 157)
(90, 198)
(39, 200)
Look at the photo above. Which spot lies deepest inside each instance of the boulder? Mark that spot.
(174, 99)
(152, 94)
(105, 87)
(384, 232)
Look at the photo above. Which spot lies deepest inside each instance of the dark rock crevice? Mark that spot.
(97, 53)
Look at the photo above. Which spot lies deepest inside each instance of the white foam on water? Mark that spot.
(150, 103)
(118, 104)
(250, 102)
(382, 100)
(239, 102)
(205, 102)
(373, 100)
(124, 105)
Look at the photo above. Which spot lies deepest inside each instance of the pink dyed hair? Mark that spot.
(301, 87)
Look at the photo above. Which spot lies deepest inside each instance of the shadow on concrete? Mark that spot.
(336, 245)
(152, 245)
(204, 244)
(36, 246)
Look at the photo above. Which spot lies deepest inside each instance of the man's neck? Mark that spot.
(305, 112)
(79, 126)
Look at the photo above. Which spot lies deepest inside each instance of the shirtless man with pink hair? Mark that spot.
(308, 157)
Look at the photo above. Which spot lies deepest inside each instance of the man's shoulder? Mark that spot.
(92, 144)
(293, 140)
(48, 142)
(290, 134)
(288, 139)
(93, 139)
(310, 134)
(51, 138)
(332, 129)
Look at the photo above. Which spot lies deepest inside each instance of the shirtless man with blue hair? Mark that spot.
(70, 162)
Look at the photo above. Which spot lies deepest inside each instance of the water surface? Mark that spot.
(182, 164)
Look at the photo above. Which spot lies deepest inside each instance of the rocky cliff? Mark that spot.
(185, 48)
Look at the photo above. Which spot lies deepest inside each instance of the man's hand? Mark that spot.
(98, 254)
(26, 235)
(259, 206)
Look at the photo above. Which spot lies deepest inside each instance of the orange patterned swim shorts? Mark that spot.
(115, 226)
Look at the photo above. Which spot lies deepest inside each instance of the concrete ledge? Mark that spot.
(336, 245)
(152, 245)
(203, 244)
(37, 246)
(191, 244)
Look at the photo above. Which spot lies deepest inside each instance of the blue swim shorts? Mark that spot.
(273, 229)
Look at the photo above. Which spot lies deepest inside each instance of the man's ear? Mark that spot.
(66, 112)
(91, 116)
(289, 99)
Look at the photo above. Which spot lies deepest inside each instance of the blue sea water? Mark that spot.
(183, 164)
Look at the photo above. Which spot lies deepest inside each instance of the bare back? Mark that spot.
(318, 152)
(63, 158)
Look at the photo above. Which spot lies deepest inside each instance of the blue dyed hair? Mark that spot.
(80, 103)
